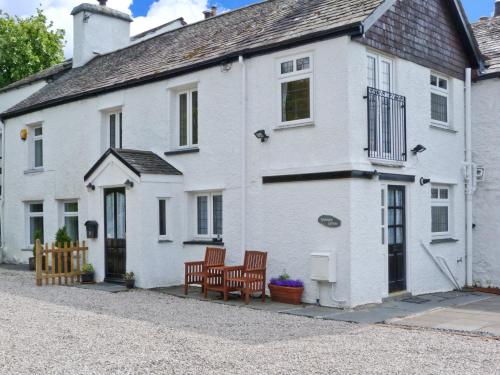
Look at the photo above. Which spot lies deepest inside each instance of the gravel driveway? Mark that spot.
(63, 330)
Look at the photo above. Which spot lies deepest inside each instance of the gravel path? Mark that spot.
(62, 330)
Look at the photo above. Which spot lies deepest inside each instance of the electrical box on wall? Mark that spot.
(323, 267)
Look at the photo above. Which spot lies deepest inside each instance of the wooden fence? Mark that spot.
(60, 262)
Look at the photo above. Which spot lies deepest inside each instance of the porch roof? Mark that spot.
(138, 161)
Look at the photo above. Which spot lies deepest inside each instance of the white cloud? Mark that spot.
(58, 11)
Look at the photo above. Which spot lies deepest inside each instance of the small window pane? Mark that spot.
(443, 84)
(120, 216)
(439, 107)
(303, 63)
(183, 141)
(163, 230)
(434, 193)
(217, 213)
(440, 219)
(112, 131)
(71, 224)
(372, 72)
(120, 145)
(295, 97)
(287, 67)
(110, 216)
(38, 132)
(194, 114)
(38, 153)
(71, 207)
(36, 225)
(202, 211)
(434, 80)
(443, 193)
(36, 207)
(382, 197)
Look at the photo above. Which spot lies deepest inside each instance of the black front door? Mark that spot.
(397, 238)
(115, 230)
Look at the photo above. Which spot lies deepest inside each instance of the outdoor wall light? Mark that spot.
(90, 186)
(424, 181)
(418, 149)
(129, 184)
(261, 134)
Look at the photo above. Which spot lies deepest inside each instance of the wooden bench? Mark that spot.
(197, 272)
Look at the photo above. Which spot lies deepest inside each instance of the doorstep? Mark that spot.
(103, 287)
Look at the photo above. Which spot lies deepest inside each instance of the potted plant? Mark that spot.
(283, 289)
(88, 273)
(129, 279)
(37, 235)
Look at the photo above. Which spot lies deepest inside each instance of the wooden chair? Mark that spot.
(248, 278)
(197, 272)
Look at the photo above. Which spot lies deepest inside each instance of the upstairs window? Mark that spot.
(439, 100)
(37, 147)
(440, 207)
(188, 118)
(115, 120)
(295, 87)
(209, 215)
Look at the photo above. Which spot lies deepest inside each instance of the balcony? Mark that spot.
(386, 125)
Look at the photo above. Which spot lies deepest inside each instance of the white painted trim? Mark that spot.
(376, 14)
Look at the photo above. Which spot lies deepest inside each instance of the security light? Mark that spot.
(91, 186)
(129, 184)
(418, 149)
(424, 181)
(261, 134)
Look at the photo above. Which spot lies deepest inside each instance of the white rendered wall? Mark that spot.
(281, 218)
(486, 141)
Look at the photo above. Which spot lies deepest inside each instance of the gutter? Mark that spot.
(355, 29)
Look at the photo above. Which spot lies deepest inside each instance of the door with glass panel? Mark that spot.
(380, 76)
(396, 232)
(115, 234)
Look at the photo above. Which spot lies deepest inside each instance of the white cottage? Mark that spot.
(486, 141)
(328, 133)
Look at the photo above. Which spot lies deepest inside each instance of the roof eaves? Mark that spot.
(353, 29)
(376, 14)
(466, 32)
(104, 156)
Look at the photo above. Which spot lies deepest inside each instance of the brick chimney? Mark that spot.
(210, 13)
(98, 29)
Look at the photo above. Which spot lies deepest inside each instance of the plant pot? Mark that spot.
(88, 278)
(130, 284)
(286, 294)
(32, 263)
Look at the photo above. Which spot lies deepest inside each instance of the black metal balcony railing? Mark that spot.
(386, 125)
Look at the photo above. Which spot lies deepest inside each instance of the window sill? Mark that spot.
(296, 125)
(180, 151)
(28, 249)
(443, 240)
(445, 128)
(387, 163)
(204, 242)
(164, 240)
(33, 170)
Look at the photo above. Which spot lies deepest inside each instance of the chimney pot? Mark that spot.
(207, 14)
(497, 8)
(102, 2)
(213, 10)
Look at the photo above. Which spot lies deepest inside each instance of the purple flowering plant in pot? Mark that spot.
(286, 290)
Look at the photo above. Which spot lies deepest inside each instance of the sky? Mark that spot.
(151, 13)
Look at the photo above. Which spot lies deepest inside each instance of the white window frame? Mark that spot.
(441, 92)
(379, 59)
(33, 139)
(30, 215)
(118, 128)
(296, 75)
(189, 117)
(439, 202)
(210, 213)
(162, 237)
(65, 214)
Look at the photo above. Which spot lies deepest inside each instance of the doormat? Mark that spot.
(417, 300)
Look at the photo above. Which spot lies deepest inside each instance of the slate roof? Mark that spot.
(139, 162)
(48, 73)
(248, 30)
(487, 33)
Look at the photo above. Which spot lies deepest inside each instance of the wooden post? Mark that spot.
(53, 257)
(38, 262)
(78, 268)
(46, 252)
(65, 259)
(59, 262)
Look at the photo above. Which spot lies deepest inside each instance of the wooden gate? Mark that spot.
(60, 262)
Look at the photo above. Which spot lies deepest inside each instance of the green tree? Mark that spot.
(27, 46)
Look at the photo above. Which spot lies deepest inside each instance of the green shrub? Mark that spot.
(88, 268)
(36, 236)
(62, 237)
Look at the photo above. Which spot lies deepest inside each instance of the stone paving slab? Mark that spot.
(103, 287)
